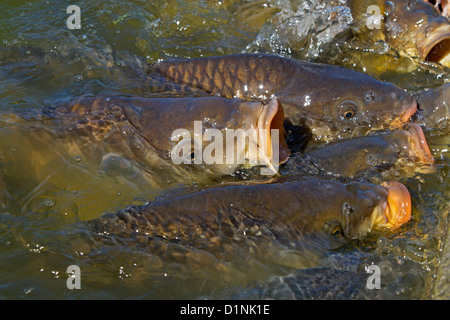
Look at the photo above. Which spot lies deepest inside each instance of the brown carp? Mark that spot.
(434, 105)
(184, 130)
(412, 27)
(402, 149)
(218, 218)
(331, 100)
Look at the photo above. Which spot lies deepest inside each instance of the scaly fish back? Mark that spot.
(244, 76)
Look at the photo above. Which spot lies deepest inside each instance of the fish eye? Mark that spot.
(370, 96)
(192, 155)
(347, 109)
(349, 114)
(336, 231)
(333, 228)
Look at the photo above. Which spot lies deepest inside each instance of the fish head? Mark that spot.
(348, 103)
(378, 105)
(367, 207)
(211, 134)
(434, 105)
(244, 135)
(406, 150)
(413, 144)
(403, 149)
(417, 28)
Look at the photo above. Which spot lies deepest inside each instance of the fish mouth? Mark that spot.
(396, 210)
(437, 47)
(419, 147)
(404, 117)
(272, 146)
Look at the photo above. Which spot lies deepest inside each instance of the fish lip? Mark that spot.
(432, 41)
(403, 118)
(272, 117)
(419, 146)
(396, 209)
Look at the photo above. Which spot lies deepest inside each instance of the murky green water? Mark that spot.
(49, 185)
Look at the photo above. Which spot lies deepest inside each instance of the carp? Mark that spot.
(234, 212)
(333, 101)
(178, 130)
(414, 28)
(404, 149)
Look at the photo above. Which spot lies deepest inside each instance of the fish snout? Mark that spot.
(410, 108)
(418, 145)
(272, 146)
(397, 209)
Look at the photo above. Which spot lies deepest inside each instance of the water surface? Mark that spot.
(48, 186)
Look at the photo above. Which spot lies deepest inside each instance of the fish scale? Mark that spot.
(94, 118)
(227, 77)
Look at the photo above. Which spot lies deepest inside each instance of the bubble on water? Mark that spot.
(400, 291)
(49, 203)
(28, 291)
(420, 179)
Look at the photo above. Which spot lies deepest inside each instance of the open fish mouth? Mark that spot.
(396, 210)
(270, 127)
(437, 47)
(419, 146)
